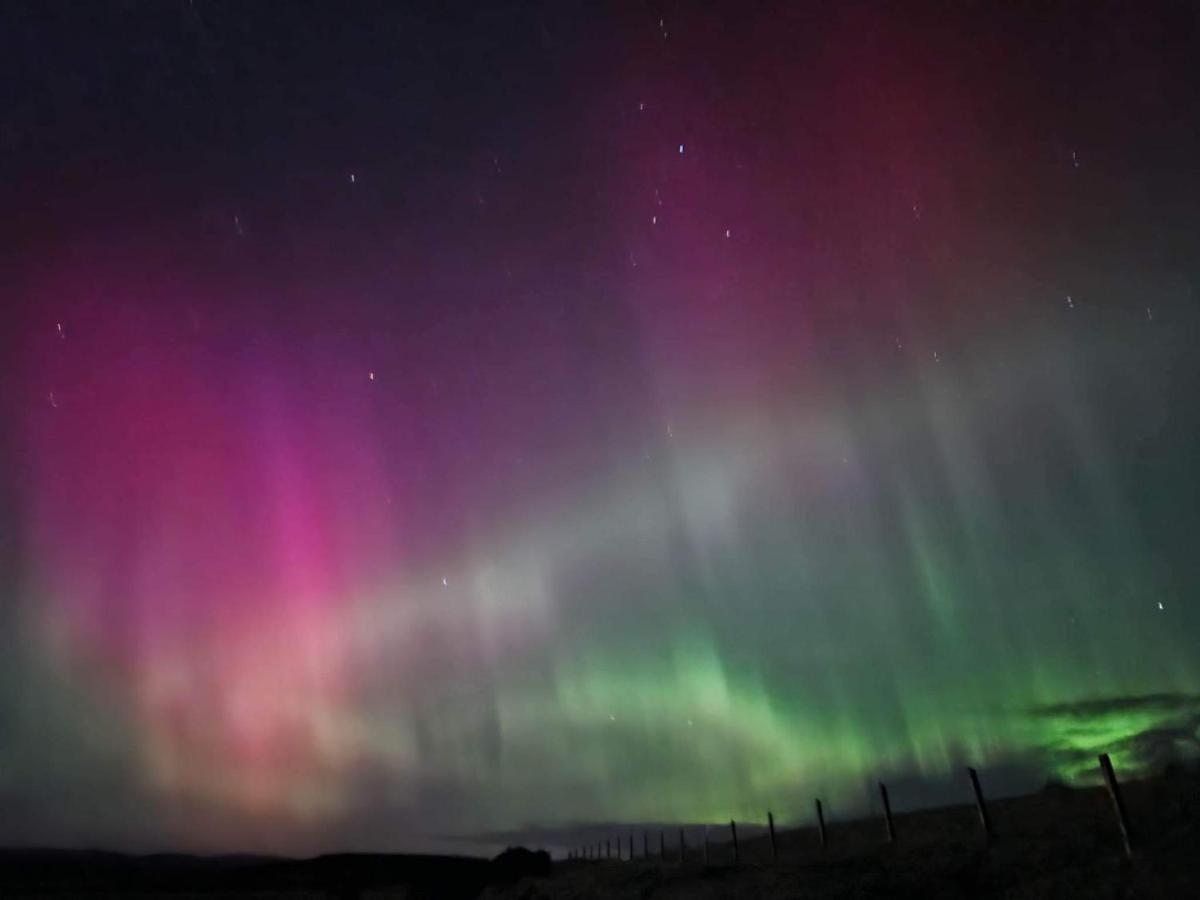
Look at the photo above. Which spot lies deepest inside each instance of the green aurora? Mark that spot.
(425, 424)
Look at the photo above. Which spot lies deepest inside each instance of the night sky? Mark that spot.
(421, 423)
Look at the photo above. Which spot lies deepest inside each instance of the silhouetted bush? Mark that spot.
(517, 862)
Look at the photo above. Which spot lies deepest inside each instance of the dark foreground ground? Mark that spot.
(1059, 844)
(1056, 844)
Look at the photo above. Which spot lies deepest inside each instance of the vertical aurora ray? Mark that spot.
(775, 598)
(793, 430)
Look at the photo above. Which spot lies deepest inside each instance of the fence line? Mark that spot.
(593, 852)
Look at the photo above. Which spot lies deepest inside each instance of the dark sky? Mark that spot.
(424, 421)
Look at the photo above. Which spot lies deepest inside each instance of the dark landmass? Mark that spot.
(54, 873)
(1060, 843)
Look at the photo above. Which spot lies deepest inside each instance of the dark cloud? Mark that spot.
(1144, 733)
(1163, 703)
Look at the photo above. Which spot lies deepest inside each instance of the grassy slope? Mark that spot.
(1057, 844)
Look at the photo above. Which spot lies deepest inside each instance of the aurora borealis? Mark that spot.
(424, 424)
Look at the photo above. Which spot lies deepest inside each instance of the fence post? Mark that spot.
(631, 846)
(706, 845)
(821, 823)
(1114, 791)
(733, 831)
(774, 849)
(682, 846)
(662, 846)
(887, 813)
(607, 848)
(984, 820)
(645, 845)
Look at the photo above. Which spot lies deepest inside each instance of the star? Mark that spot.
(370, 376)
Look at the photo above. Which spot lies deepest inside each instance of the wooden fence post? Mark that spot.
(607, 848)
(1114, 791)
(985, 821)
(821, 823)
(887, 813)
(733, 831)
(774, 849)
(645, 845)
(662, 846)
(706, 845)
(631, 846)
(682, 846)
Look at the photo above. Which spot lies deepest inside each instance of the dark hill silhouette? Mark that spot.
(1061, 842)
(83, 873)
